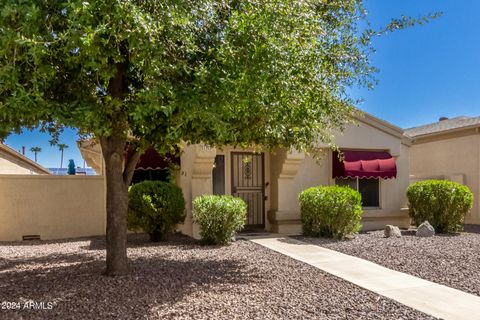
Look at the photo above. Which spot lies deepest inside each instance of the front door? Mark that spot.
(248, 184)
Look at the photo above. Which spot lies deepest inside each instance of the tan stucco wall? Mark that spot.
(310, 173)
(364, 136)
(12, 165)
(288, 173)
(393, 201)
(183, 179)
(451, 158)
(51, 206)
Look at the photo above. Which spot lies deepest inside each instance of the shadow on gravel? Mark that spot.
(30, 243)
(140, 240)
(31, 263)
(75, 284)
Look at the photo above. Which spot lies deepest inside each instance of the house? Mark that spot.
(376, 163)
(13, 162)
(448, 149)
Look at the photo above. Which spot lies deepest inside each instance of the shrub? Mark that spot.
(156, 207)
(332, 211)
(219, 217)
(442, 203)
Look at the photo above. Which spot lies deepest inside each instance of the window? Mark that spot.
(218, 175)
(368, 188)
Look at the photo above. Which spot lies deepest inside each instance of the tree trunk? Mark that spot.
(117, 205)
(118, 173)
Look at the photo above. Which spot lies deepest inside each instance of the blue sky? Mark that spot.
(425, 72)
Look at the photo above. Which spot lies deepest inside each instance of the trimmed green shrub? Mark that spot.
(442, 203)
(330, 211)
(219, 217)
(156, 207)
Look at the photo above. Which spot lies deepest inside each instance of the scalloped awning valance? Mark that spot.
(364, 164)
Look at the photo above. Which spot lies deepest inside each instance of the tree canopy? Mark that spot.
(238, 72)
(270, 73)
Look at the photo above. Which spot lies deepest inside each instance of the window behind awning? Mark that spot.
(364, 164)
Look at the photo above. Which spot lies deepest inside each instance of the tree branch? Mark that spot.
(129, 169)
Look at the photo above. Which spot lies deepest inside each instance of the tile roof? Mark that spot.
(444, 125)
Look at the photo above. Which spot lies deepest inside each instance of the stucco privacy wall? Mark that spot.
(51, 206)
(451, 157)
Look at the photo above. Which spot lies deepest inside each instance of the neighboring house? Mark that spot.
(448, 149)
(376, 164)
(13, 162)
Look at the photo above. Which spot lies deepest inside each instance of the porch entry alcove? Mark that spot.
(247, 179)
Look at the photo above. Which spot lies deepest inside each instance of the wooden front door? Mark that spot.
(248, 184)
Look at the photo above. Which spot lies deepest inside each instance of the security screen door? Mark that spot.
(248, 184)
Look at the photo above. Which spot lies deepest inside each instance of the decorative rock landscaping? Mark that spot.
(392, 231)
(425, 230)
(179, 279)
(452, 260)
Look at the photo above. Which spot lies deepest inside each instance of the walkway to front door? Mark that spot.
(248, 184)
(431, 298)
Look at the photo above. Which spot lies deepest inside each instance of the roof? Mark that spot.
(384, 126)
(23, 158)
(461, 122)
(380, 124)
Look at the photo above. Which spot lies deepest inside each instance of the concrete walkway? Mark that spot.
(429, 297)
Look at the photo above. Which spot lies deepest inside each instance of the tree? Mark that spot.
(135, 73)
(36, 150)
(61, 147)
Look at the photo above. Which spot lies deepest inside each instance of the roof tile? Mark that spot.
(444, 125)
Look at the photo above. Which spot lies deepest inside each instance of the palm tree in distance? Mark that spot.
(61, 147)
(36, 150)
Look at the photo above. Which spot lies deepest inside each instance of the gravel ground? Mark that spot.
(452, 260)
(178, 279)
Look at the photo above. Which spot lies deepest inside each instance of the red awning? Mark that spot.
(364, 164)
(152, 160)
